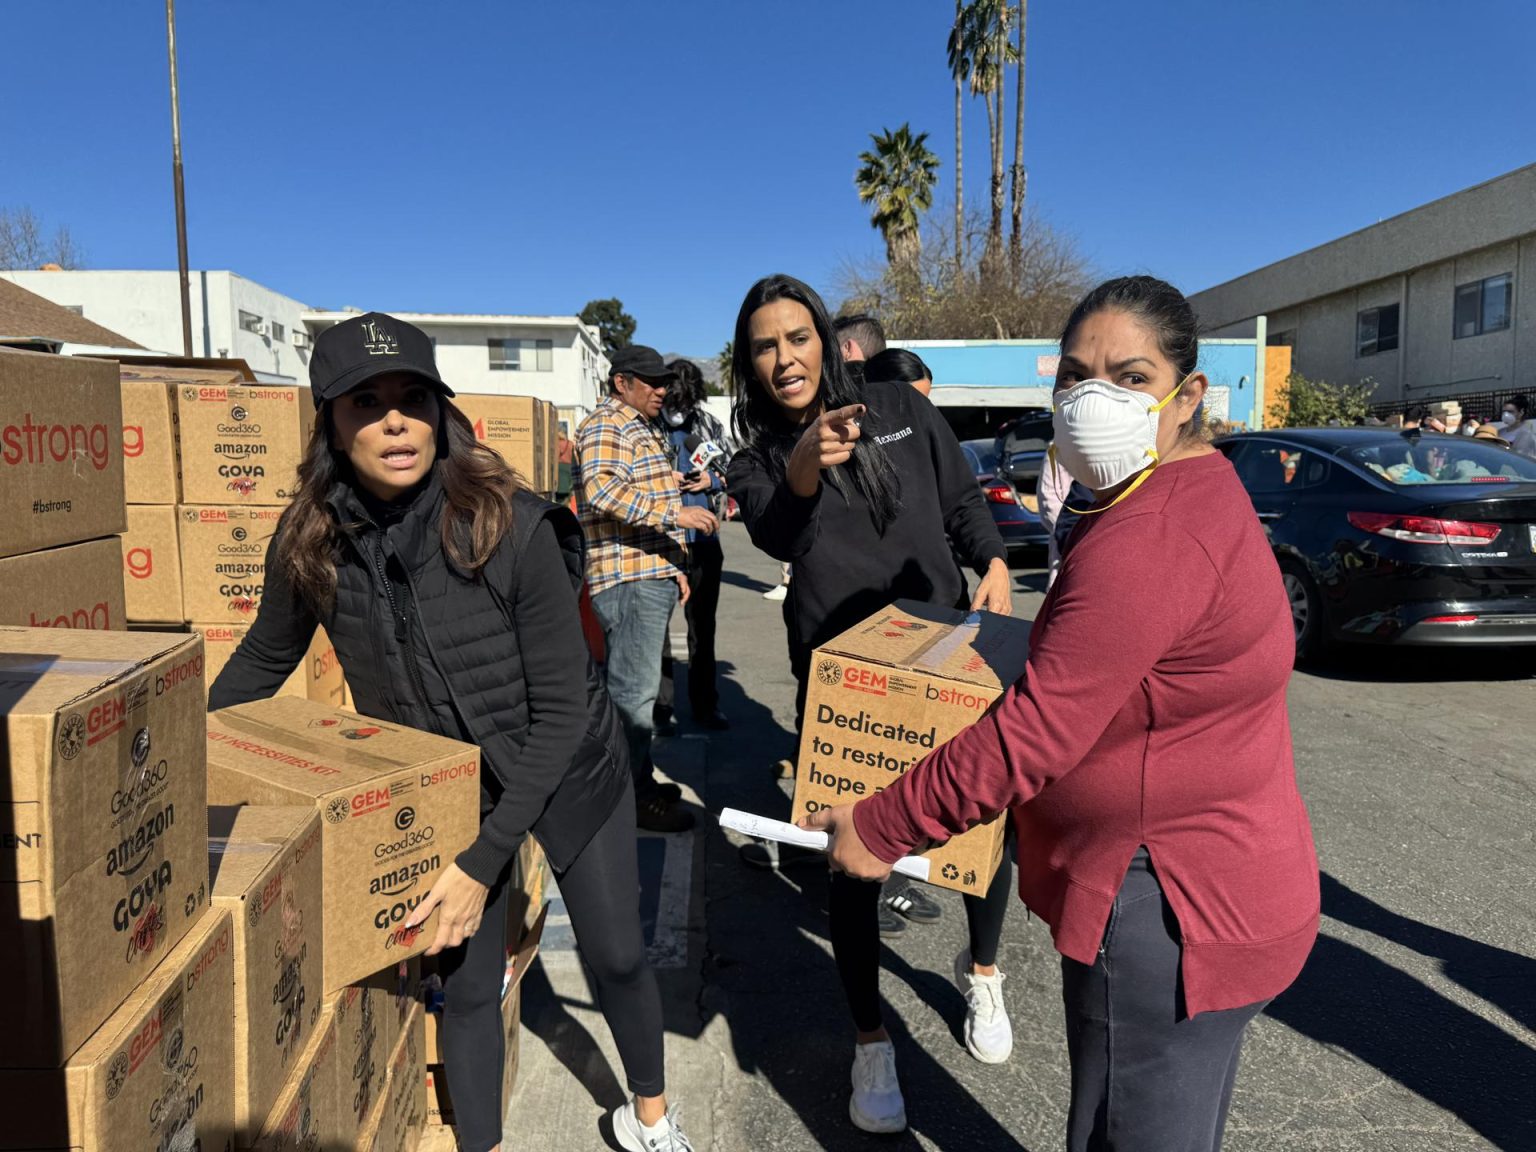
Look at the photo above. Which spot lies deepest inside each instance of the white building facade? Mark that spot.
(555, 358)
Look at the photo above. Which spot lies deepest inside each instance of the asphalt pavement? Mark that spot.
(1412, 1028)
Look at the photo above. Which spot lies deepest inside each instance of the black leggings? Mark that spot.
(601, 890)
(853, 908)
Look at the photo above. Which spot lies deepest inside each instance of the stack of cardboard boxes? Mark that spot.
(61, 493)
(123, 1039)
(211, 460)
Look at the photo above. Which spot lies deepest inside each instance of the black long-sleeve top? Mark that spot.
(844, 567)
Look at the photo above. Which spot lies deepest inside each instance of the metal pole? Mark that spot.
(181, 191)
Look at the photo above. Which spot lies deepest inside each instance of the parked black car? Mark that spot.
(1016, 513)
(1396, 537)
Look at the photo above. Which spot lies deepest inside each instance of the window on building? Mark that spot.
(1376, 330)
(1484, 306)
(522, 355)
(250, 322)
(506, 355)
(1285, 339)
(278, 331)
(77, 309)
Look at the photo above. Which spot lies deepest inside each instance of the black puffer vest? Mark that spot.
(471, 636)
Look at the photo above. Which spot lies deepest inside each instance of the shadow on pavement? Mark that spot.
(738, 580)
(1505, 979)
(1350, 1000)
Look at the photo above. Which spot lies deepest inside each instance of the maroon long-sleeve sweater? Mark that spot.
(1152, 711)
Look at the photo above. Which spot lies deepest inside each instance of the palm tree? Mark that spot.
(960, 67)
(982, 42)
(1020, 178)
(897, 177)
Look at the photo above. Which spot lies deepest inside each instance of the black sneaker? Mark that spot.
(890, 923)
(914, 904)
(655, 813)
(669, 791)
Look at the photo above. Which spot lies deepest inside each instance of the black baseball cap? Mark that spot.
(362, 347)
(638, 360)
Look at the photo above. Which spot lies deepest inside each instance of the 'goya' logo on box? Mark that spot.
(830, 672)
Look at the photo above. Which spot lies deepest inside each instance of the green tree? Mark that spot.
(960, 68)
(1313, 403)
(725, 361)
(979, 48)
(897, 178)
(1020, 177)
(614, 325)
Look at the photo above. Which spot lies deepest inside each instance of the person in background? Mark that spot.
(860, 337)
(862, 486)
(564, 454)
(1051, 492)
(1470, 424)
(1414, 416)
(1161, 833)
(1517, 426)
(636, 525)
(683, 415)
(900, 365)
(450, 593)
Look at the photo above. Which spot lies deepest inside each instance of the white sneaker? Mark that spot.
(634, 1136)
(777, 593)
(988, 1035)
(876, 1104)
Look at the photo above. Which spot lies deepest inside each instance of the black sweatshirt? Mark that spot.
(844, 568)
(548, 627)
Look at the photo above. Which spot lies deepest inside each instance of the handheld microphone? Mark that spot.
(698, 454)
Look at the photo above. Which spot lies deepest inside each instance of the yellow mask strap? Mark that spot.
(1131, 487)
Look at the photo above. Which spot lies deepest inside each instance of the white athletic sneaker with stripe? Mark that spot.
(634, 1136)
(877, 1104)
(988, 1034)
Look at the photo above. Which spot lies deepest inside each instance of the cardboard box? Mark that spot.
(317, 678)
(362, 1062)
(77, 586)
(223, 561)
(265, 865)
(307, 1116)
(152, 565)
(103, 833)
(242, 445)
(514, 427)
(396, 1126)
(551, 444)
(886, 693)
(158, 1075)
(151, 452)
(61, 451)
(398, 806)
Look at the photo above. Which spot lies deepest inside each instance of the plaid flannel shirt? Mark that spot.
(627, 498)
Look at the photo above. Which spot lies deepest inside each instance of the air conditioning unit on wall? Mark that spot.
(300, 338)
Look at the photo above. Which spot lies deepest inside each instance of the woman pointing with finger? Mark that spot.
(862, 488)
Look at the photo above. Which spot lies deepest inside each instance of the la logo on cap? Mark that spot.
(378, 341)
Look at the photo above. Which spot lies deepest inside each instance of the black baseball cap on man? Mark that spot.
(362, 347)
(638, 360)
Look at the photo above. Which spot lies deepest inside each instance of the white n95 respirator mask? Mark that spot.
(1105, 434)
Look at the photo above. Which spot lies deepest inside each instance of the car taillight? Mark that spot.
(1424, 529)
(997, 493)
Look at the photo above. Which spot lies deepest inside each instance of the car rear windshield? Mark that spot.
(986, 458)
(1443, 460)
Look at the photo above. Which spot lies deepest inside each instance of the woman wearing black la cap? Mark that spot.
(450, 595)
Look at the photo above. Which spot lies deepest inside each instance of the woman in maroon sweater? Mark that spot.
(1146, 752)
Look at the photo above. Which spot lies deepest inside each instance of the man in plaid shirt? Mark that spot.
(636, 525)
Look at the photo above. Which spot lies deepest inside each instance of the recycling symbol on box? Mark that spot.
(951, 872)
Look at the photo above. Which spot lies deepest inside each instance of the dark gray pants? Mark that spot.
(1145, 1076)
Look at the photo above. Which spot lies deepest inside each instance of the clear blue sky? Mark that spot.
(463, 155)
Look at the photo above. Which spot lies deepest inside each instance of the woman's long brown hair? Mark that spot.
(478, 487)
